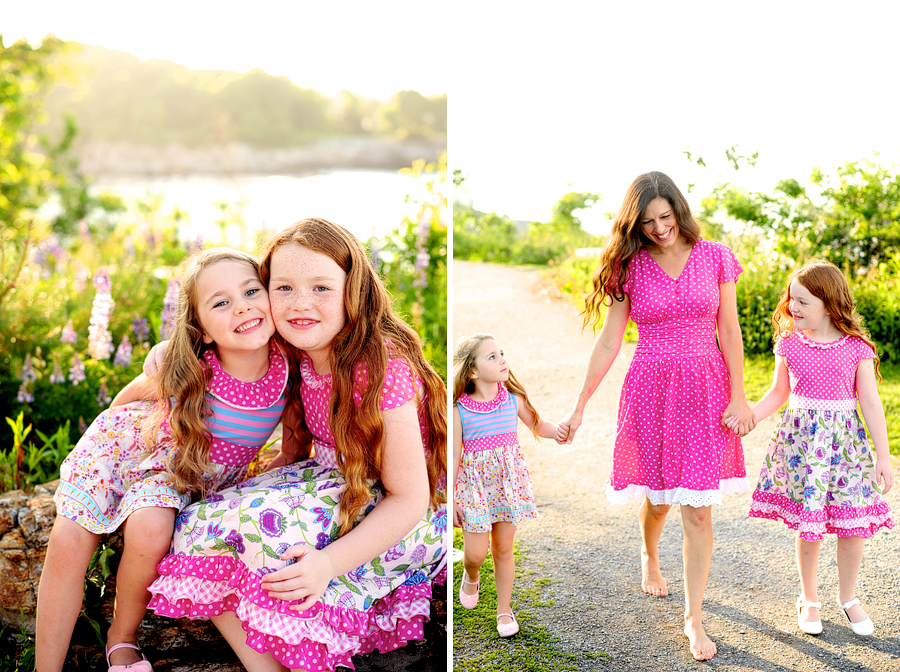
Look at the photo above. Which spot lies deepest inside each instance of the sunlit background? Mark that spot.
(586, 96)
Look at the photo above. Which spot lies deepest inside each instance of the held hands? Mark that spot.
(305, 580)
(565, 430)
(739, 418)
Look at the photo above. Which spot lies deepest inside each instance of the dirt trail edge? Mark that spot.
(590, 549)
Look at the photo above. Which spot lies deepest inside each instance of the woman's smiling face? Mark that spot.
(659, 223)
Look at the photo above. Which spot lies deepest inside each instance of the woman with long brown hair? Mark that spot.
(671, 445)
(335, 553)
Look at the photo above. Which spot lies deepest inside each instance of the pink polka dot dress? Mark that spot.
(670, 443)
(493, 484)
(112, 472)
(818, 473)
(225, 545)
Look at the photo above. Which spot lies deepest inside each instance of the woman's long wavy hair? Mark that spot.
(371, 335)
(627, 238)
(464, 355)
(825, 281)
(183, 377)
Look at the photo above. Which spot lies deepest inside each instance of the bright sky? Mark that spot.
(369, 48)
(593, 94)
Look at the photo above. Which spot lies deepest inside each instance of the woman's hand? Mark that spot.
(305, 580)
(739, 418)
(154, 360)
(568, 427)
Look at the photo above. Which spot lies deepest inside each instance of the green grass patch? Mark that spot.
(476, 644)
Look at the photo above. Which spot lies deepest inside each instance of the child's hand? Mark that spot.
(154, 360)
(278, 461)
(562, 433)
(884, 474)
(305, 580)
(457, 515)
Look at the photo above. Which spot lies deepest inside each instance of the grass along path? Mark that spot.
(476, 645)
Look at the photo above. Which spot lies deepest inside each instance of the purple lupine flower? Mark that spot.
(100, 340)
(123, 353)
(24, 396)
(195, 245)
(103, 396)
(57, 375)
(68, 333)
(272, 522)
(141, 330)
(170, 301)
(48, 254)
(28, 373)
(76, 372)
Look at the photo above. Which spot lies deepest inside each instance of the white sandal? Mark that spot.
(809, 627)
(863, 628)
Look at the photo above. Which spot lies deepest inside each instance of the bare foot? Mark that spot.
(652, 581)
(702, 647)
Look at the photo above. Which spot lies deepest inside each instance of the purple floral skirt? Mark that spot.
(818, 473)
(226, 544)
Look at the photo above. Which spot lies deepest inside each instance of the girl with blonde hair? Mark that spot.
(222, 394)
(492, 486)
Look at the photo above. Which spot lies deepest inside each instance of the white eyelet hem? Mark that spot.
(684, 496)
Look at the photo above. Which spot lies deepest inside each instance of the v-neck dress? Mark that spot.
(670, 442)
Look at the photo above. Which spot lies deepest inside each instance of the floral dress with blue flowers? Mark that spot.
(226, 544)
(818, 475)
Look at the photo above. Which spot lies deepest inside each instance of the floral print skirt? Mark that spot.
(110, 472)
(224, 545)
(494, 486)
(818, 475)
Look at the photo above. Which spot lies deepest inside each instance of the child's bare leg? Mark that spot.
(230, 626)
(698, 543)
(808, 565)
(652, 519)
(504, 566)
(849, 560)
(475, 548)
(61, 590)
(148, 535)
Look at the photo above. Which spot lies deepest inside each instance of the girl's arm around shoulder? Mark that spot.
(457, 458)
(141, 388)
(294, 444)
(546, 429)
(873, 412)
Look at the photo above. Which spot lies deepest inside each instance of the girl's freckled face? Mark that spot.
(306, 290)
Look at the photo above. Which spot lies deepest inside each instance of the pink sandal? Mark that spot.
(465, 599)
(140, 666)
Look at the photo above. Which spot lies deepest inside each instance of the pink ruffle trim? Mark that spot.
(844, 521)
(320, 638)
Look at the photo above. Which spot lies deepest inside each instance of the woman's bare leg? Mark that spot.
(698, 543)
(652, 519)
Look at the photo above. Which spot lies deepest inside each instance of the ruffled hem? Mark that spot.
(696, 498)
(844, 521)
(319, 638)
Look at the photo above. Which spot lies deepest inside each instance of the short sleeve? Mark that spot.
(780, 348)
(863, 349)
(399, 384)
(628, 285)
(729, 267)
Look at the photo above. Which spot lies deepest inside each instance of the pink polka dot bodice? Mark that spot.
(676, 317)
(823, 370)
(400, 385)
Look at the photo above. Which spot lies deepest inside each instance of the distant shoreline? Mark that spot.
(109, 159)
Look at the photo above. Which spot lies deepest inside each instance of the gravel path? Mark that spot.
(590, 549)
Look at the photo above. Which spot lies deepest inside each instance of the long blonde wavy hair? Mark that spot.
(627, 238)
(371, 335)
(183, 378)
(464, 355)
(825, 281)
